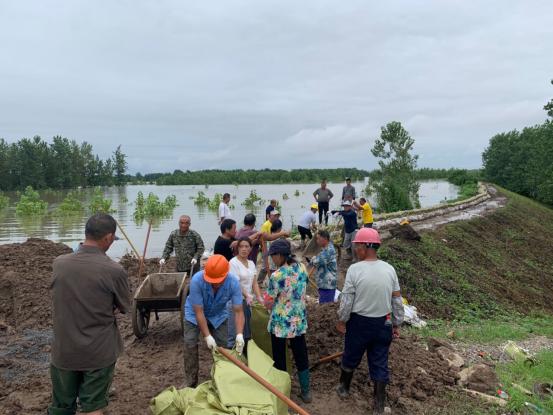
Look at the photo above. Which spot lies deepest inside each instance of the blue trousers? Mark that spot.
(326, 296)
(371, 335)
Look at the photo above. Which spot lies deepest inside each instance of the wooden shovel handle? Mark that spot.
(291, 404)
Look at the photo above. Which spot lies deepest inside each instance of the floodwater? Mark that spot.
(71, 230)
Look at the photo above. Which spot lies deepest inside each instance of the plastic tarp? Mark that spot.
(258, 323)
(231, 390)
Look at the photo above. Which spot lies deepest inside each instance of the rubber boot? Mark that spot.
(305, 394)
(345, 382)
(191, 366)
(379, 398)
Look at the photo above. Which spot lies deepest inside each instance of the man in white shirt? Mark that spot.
(224, 210)
(308, 221)
(370, 313)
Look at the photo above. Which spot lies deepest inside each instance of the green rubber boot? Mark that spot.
(305, 394)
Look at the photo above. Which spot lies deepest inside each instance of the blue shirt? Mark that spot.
(350, 220)
(201, 293)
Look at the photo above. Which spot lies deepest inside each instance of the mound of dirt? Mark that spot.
(25, 277)
(418, 376)
(416, 373)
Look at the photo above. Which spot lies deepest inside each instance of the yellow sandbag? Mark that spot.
(231, 390)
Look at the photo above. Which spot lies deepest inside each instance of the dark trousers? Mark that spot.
(304, 232)
(299, 351)
(323, 210)
(371, 335)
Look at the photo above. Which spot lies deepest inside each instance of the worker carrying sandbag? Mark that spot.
(206, 311)
(370, 314)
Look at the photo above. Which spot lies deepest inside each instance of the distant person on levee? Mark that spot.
(348, 192)
(367, 212)
(270, 208)
(88, 290)
(224, 210)
(322, 196)
(187, 244)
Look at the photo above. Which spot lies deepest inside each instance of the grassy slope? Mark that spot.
(487, 267)
(489, 280)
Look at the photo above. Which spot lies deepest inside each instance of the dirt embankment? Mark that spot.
(151, 364)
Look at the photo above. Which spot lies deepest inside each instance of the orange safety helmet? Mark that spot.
(216, 269)
(367, 236)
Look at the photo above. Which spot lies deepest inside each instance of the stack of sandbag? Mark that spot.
(230, 390)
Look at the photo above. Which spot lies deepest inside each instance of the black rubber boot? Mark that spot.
(379, 398)
(345, 382)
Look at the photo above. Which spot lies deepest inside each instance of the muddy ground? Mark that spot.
(419, 377)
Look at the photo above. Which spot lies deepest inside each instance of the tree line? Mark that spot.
(60, 164)
(264, 176)
(522, 161)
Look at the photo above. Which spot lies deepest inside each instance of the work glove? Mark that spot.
(162, 262)
(211, 343)
(194, 261)
(239, 343)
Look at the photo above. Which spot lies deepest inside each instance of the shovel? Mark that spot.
(326, 359)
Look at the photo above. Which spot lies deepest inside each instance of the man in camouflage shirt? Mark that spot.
(188, 246)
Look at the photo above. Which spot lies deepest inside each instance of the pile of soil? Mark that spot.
(416, 373)
(151, 364)
(25, 278)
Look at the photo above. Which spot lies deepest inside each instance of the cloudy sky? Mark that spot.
(288, 84)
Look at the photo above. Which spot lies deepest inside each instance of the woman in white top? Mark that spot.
(245, 270)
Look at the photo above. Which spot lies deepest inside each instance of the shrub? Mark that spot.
(98, 204)
(30, 203)
(71, 205)
(252, 200)
(152, 208)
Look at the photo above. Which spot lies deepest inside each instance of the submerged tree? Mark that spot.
(549, 106)
(394, 183)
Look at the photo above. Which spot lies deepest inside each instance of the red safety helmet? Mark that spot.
(367, 236)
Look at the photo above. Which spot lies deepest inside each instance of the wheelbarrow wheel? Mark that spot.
(140, 320)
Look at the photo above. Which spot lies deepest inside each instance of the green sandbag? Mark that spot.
(231, 390)
(168, 402)
(258, 323)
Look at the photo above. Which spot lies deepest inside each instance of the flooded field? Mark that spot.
(71, 230)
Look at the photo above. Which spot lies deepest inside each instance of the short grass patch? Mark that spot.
(497, 330)
(527, 376)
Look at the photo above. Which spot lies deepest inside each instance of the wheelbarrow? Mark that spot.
(159, 292)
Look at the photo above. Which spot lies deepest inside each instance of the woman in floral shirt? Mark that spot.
(286, 298)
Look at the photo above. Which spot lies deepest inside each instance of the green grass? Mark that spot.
(527, 376)
(466, 191)
(497, 330)
(481, 269)
(459, 403)
(4, 201)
